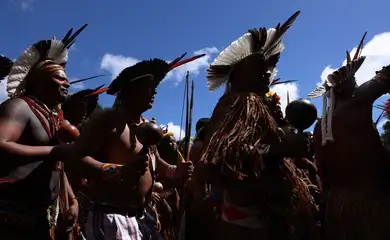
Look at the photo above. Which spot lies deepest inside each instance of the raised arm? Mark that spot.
(14, 117)
(376, 87)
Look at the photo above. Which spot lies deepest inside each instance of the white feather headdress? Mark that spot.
(326, 90)
(55, 50)
(266, 44)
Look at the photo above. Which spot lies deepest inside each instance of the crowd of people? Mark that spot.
(72, 170)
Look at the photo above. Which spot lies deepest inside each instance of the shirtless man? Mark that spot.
(30, 177)
(120, 169)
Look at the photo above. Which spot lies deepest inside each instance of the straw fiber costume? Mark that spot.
(118, 198)
(244, 153)
(352, 160)
(30, 178)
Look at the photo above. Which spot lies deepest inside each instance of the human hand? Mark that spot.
(71, 216)
(136, 168)
(158, 224)
(156, 197)
(185, 169)
(61, 152)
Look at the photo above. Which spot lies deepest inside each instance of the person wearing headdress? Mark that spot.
(117, 164)
(80, 105)
(244, 152)
(353, 163)
(30, 178)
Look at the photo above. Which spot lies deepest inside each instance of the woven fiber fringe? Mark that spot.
(357, 214)
(240, 120)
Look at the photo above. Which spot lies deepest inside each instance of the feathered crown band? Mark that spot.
(265, 44)
(54, 50)
(342, 74)
(154, 69)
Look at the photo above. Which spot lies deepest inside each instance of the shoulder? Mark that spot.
(103, 117)
(14, 109)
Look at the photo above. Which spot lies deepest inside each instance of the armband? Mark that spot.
(111, 172)
(172, 171)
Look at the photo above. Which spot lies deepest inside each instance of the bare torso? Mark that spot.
(40, 187)
(121, 147)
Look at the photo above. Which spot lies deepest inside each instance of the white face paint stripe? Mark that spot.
(61, 73)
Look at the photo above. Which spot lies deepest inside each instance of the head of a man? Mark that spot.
(48, 81)
(138, 94)
(167, 148)
(251, 75)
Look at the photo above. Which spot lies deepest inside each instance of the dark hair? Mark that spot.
(201, 123)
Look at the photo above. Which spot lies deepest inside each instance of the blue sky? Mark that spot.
(122, 31)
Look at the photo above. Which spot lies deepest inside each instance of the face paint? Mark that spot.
(53, 81)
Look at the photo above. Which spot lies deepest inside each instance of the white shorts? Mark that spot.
(111, 226)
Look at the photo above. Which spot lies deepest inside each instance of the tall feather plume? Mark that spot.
(171, 64)
(179, 63)
(274, 43)
(360, 47)
(266, 44)
(277, 82)
(288, 97)
(46, 49)
(69, 39)
(85, 79)
(348, 57)
(346, 72)
(342, 74)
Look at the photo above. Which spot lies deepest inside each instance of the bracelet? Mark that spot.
(111, 172)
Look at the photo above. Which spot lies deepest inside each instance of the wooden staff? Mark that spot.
(189, 121)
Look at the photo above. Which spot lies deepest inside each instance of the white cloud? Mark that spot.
(282, 89)
(377, 55)
(76, 86)
(176, 129)
(116, 63)
(26, 5)
(194, 67)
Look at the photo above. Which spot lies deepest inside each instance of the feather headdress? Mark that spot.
(54, 50)
(326, 90)
(5, 66)
(155, 69)
(342, 74)
(265, 44)
(82, 96)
